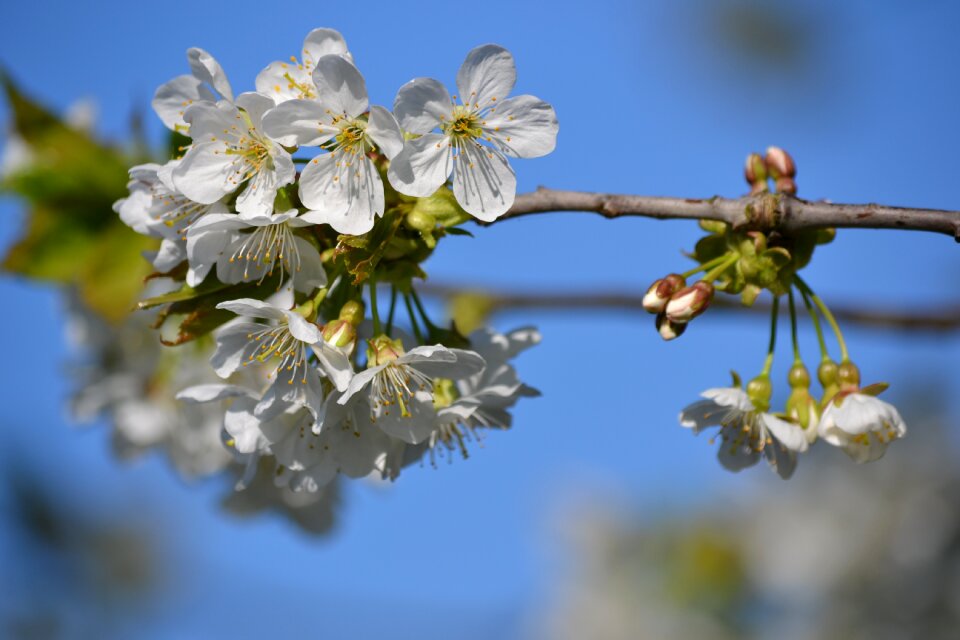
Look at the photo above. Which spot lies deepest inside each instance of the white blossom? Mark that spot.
(206, 83)
(483, 181)
(231, 153)
(862, 425)
(294, 80)
(253, 248)
(341, 187)
(746, 433)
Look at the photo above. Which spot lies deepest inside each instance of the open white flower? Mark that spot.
(155, 208)
(207, 83)
(283, 345)
(862, 425)
(746, 433)
(294, 80)
(252, 249)
(341, 188)
(230, 152)
(483, 181)
(401, 384)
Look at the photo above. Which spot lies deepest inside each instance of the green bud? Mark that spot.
(760, 390)
(353, 312)
(825, 236)
(340, 333)
(827, 373)
(420, 220)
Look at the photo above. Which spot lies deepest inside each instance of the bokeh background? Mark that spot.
(596, 516)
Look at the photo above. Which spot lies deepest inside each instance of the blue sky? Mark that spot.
(658, 98)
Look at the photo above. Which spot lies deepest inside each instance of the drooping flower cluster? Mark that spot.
(291, 207)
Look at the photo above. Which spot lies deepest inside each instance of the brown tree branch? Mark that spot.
(765, 212)
(941, 319)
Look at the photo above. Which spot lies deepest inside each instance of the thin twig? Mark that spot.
(936, 319)
(765, 211)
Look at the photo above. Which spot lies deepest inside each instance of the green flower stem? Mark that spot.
(844, 355)
(768, 363)
(709, 264)
(793, 329)
(413, 319)
(393, 307)
(373, 307)
(718, 270)
(423, 312)
(824, 355)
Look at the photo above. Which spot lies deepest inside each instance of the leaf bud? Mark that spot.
(688, 303)
(755, 169)
(660, 292)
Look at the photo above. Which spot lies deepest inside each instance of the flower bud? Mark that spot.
(668, 329)
(420, 220)
(353, 312)
(340, 334)
(660, 291)
(780, 163)
(688, 303)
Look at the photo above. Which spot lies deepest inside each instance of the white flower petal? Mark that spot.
(487, 75)
(299, 122)
(523, 127)
(253, 308)
(204, 175)
(729, 397)
(283, 81)
(422, 167)
(233, 341)
(383, 129)
(206, 68)
(335, 364)
(322, 189)
(172, 99)
(309, 273)
(340, 85)
(483, 182)
(323, 42)
(213, 392)
(255, 104)
(789, 434)
(413, 428)
(301, 329)
(363, 188)
(170, 254)
(421, 104)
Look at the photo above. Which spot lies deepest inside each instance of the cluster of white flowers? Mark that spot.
(859, 423)
(311, 386)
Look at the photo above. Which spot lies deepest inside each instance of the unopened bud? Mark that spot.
(340, 334)
(353, 312)
(755, 169)
(786, 185)
(780, 163)
(420, 220)
(688, 303)
(660, 291)
(668, 329)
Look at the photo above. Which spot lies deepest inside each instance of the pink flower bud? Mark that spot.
(660, 291)
(780, 163)
(688, 303)
(668, 329)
